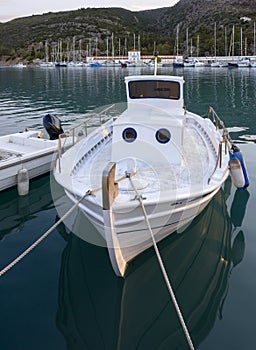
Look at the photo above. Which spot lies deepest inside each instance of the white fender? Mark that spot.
(23, 182)
(236, 173)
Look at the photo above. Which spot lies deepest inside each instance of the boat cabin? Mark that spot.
(164, 92)
(151, 128)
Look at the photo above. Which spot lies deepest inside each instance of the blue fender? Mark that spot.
(236, 154)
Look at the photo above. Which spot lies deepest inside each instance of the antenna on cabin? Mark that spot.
(155, 66)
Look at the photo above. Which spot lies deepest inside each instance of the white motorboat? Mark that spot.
(215, 64)
(244, 62)
(28, 150)
(223, 64)
(178, 62)
(20, 65)
(200, 63)
(189, 62)
(47, 64)
(148, 172)
(24, 151)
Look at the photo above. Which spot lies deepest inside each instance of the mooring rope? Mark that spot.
(183, 324)
(40, 239)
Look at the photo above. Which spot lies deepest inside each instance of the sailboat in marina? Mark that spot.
(59, 62)
(244, 61)
(215, 63)
(189, 61)
(197, 62)
(233, 63)
(110, 62)
(76, 56)
(178, 62)
(253, 63)
(46, 63)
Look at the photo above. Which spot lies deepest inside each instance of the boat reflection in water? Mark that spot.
(97, 310)
(17, 210)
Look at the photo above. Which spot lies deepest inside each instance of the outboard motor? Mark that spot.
(52, 125)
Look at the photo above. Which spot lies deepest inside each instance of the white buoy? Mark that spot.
(23, 182)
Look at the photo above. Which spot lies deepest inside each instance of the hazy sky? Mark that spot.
(10, 9)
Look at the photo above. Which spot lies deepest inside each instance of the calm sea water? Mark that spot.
(64, 294)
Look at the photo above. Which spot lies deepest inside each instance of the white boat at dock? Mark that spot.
(244, 62)
(189, 62)
(47, 64)
(155, 158)
(26, 150)
(200, 63)
(19, 65)
(215, 64)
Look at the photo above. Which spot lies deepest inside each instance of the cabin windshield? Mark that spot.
(154, 89)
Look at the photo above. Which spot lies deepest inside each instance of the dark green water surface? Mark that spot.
(64, 294)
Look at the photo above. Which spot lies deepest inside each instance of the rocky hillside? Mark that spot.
(25, 37)
(198, 18)
(195, 14)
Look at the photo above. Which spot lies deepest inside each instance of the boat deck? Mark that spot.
(19, 145)
(153, 179)
(14, 149)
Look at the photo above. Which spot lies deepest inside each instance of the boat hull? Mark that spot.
(26, 150)
(127, 234)
(36, 165)
(134, 298)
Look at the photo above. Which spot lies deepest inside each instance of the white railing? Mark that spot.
(219, 124)
(91, 121)
(79, 131)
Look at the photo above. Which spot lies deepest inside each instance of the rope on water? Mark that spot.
(40, 239)
(183, 324)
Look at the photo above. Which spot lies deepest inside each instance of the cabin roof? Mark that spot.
(155, 77)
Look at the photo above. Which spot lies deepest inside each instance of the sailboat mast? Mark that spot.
(197, 45)
(254, 38)
(107, 49)
(46, 52)
(187, 40)
(177, 41)
(215, 41)
(80, 50)
(225, 43)
(233, 41)
(112, 43)
(74, 49)
(241, 42)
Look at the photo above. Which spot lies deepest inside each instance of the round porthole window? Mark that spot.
(163, 135)
(129, 134)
